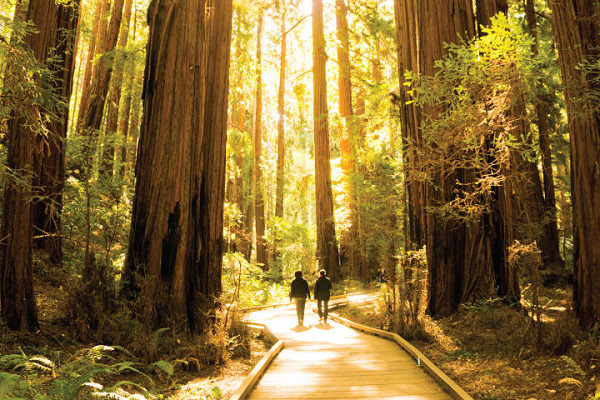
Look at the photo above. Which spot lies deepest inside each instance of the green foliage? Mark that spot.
(245, 285)
(470, 120)
(75, 379)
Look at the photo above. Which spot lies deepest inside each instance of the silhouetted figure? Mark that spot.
(322, 294)
(299, 293)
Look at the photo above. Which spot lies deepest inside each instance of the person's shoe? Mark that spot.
(320, 319)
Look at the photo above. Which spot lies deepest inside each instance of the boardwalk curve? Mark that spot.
(336, 362)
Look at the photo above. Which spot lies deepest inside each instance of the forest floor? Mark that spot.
(491, 350)
(63, 354)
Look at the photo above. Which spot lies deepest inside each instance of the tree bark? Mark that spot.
(93, 111)
(407, 39)
(259, 206)
(327, 248)
(97, 35)
(126, 112)
(176, 234)
(349, 243)
(280, 173)
(465, 259)
(57, 25)
(281, 121)
(576, 30)
(114, 100)
(55, 37)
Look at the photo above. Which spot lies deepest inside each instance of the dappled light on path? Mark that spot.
(332, 361)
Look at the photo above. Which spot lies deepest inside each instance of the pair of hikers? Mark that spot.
(300, 292)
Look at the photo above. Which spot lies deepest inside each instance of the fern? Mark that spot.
(165, 367)
(12, 385)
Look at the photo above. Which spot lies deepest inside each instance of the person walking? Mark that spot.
(322, 294)
(299, 293)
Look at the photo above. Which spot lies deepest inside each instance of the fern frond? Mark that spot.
(165, 367)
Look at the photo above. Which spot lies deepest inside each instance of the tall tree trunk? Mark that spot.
(549, 243)
(407, 39)
(92, 112)
(327, 248)
(261, 244)
(176, 234)
(349, 246)
(576, 32)
(460, 255)
(214, 155)
(55, 38)
(59, 24)
(134, 124)
(126, 113)
(281, 121)
(98, 34)
(363, 272)
(114, 100)
(501, 221)
(280, 174)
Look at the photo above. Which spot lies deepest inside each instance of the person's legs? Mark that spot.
(301, 304)
(325, 309)
(298, 314)
(320, 308)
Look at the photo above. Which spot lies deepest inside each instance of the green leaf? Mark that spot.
(165, 367)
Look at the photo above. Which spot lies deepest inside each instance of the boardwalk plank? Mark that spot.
(336, 362)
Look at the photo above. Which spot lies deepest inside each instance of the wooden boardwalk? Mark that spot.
(336, 362)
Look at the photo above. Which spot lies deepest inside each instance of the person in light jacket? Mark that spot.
(322, 294)
(299, 293)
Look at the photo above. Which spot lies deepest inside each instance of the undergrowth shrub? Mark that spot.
(403, 304)
(40, 378)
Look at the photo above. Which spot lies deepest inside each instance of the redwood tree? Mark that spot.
(114, 100)
(349, 242)
(176, 233)
(327, 248)
(576, 33)
(259, 201)
(53, 41)
(90, 115)
(58, 25)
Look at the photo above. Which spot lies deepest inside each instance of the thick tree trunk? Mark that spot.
(486, 9)
(209, 208)
(114, 100)
(459, 253)
(349, 243)
(407, 25)
(176, 234)
(576, 34)
(57, 25)
(259, 203)
(499, 223)
(327, 248)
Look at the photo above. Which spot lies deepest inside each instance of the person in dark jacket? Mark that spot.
(299, 293)
(322, 294)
